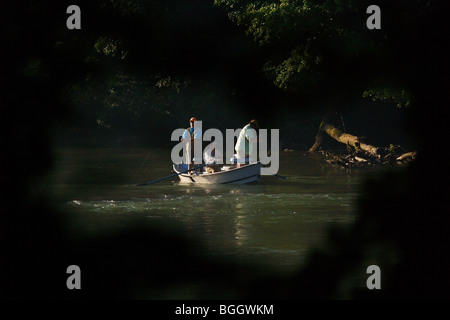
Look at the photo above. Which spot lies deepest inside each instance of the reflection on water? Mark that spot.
(274, 223)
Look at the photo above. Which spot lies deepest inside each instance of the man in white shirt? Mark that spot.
(246, 141)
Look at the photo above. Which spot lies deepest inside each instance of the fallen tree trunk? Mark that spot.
(359, 159)
(349, 140)
(362, 155)
(345, 138)
(407, 156)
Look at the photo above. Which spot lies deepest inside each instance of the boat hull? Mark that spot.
(246, 174)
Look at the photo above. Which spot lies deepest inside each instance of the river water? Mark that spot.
(274, 223)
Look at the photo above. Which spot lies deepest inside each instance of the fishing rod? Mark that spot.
(173, 175)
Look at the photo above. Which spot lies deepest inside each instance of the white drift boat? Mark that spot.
(227, 174)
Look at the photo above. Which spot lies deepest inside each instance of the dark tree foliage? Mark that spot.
(317, 45)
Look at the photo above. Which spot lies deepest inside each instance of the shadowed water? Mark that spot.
(274, 223)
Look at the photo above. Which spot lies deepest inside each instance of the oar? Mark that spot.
(171, 176)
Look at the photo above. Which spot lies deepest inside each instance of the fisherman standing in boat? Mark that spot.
(191, 136)
(246, 142)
